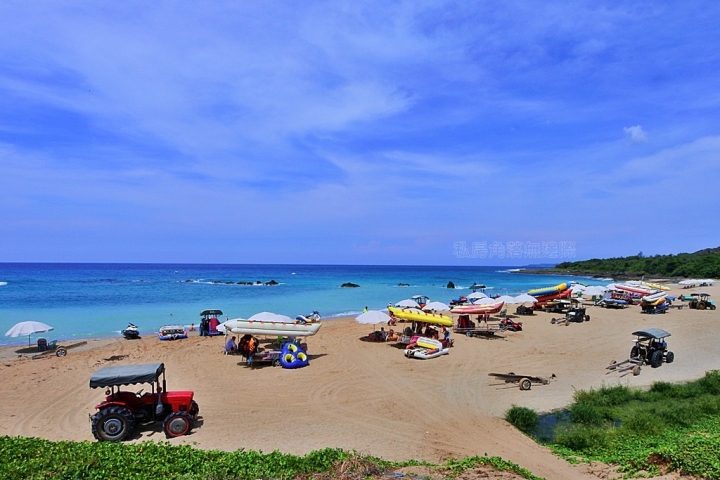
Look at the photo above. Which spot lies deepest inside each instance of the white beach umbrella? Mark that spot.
(578, 288)
(476, 295)
(485, 301)
(437, 306)
(28, 328)
(271, 317)
(506, 298)
(407, 304)
(595, 290)
(525, 298)
(372, 317)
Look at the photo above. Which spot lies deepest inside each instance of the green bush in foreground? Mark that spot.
(35, 459)
(524, 419)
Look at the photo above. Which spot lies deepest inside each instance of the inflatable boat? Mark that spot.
(540, 292)
(418, 316)
(479, 309)
(172, 332)
(258, 327)
(426, 348)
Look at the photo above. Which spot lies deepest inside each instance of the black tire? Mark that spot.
(634, 352)
(552, 321)
(587, 318)
(656, 358)
(713, 307)
(113, 424)
(525, 384)
(194, 408)
(669, 357)
(276, 362)
(177, 424)
(636, 370)
(700, 306)
(60, 352)
(468, 334)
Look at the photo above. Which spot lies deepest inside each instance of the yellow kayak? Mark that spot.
(416, 316)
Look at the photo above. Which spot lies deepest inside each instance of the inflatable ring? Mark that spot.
(292, 347)
(302, 357)
(289, 358)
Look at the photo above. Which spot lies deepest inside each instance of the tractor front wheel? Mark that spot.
(656, 358)
(177, 424)
(113, 424)
(587, 318)
(669, 357)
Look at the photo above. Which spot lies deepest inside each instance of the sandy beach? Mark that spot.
(365, 396)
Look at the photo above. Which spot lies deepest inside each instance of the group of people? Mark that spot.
(247, 346)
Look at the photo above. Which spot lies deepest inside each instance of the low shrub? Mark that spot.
(524, 419)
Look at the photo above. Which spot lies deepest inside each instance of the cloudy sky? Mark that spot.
(389, 132)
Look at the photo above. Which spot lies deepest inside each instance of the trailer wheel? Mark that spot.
(525, 384)
(276, 362)
(61, 352)
(636, 370)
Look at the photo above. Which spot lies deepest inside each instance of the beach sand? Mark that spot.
(366, 396)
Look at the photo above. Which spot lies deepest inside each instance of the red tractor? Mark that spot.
(121, 411)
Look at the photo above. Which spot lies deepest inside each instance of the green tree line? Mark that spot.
(700, 264)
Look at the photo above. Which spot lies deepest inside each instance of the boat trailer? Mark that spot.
(524, 381)
(60, 351)
(631, 365)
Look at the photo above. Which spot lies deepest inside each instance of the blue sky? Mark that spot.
(357, 132)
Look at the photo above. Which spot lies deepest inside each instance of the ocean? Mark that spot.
(99, 300)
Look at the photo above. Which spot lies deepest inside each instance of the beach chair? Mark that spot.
(42, 344)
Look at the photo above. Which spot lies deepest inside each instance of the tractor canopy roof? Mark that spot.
(652, 333)
(126, 375)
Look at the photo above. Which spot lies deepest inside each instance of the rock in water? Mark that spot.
(450, 285)
(349, 285)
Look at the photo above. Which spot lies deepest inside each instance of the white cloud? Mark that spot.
(636, 134)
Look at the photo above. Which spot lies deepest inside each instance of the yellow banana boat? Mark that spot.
(417, 316)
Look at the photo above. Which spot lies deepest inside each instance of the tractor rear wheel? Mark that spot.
(701, 306)
(634, 352)
(669, 357)
(177, 424)
(113, 424)
(656, 358)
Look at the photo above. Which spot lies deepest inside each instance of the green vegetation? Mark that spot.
(668, 427)
(33, 458)
(701, 264)
(524, 419)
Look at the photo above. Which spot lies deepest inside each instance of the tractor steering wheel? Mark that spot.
(139, 392)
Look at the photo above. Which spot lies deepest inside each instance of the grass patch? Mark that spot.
(38, 459)
(667, 427)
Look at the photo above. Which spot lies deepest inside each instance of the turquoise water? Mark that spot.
(98, 300)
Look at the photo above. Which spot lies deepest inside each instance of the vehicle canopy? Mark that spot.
(700, 295)
(211, 313)
(126, 375)
(651, 333)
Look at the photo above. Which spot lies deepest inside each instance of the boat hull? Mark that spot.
(257, 327)
(478, 309)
